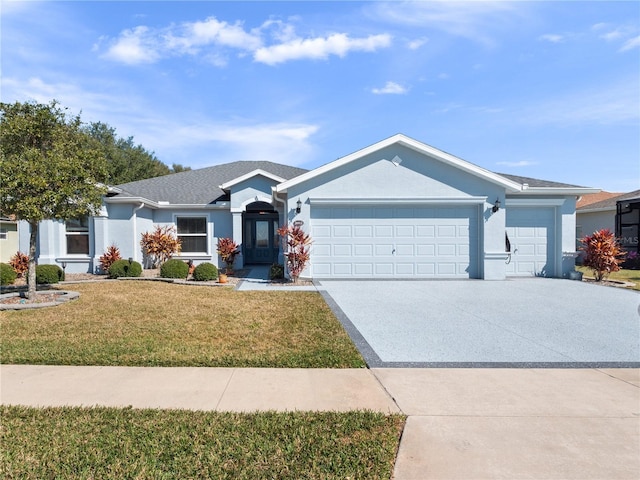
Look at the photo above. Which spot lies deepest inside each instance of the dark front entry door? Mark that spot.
(260, 238)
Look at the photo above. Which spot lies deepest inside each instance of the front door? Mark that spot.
(261, 239)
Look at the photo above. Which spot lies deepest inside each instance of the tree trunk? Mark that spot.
(33, 238)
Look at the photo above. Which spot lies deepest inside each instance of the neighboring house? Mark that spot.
(396, 209)
(595, 211)
(8, 239)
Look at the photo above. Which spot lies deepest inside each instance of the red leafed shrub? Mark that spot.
(228, 249)
(297, 250)
(603, 253)
(112, 254)
(20, 263)
(160, 245)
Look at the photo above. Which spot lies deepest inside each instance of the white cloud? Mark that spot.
(417, 43)
(552, 37)
(211, 38)
(339, 44)
(521, 163)
(134, 47)
(390, 88)
(631, 43)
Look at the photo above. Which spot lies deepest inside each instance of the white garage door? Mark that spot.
(531, 233)
(407, 241)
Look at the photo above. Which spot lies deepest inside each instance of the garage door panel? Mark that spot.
(531, 233)
(397, 242)
(342, 250)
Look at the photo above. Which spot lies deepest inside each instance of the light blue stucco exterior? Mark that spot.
(396, 177)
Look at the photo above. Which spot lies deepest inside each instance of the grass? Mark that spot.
(109, 443)
(624, 275)
(134, 323)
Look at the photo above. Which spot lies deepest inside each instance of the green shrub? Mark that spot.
(205, 272)
(122, 268)
(174, 268)
(49, 274)
(7, 274)
(276, 272)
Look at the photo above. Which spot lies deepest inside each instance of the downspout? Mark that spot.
(135, 230)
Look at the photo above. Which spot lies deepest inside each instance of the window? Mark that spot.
(3, 233)
(192, 232)
(77, 232)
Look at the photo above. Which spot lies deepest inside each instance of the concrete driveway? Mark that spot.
(530, 322)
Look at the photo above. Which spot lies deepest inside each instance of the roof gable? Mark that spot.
(409, 143)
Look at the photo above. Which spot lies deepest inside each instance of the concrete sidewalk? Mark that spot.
(462, 423)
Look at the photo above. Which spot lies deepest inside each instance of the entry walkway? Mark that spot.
(462, 423)
(258, 279)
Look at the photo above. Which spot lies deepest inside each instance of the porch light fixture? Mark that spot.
(298, 206)
(496, 206)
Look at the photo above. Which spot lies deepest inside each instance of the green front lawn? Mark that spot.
(109, 443)
(624, 275)
(136, 323)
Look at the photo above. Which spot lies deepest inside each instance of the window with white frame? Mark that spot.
(77, 233)
(192, 232)
(3, 234)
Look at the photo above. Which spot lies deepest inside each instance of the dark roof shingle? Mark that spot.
(202, 186)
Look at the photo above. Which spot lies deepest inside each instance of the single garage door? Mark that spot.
(531, 232)
(400, 242)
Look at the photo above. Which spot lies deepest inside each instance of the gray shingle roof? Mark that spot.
(202, 186)
(535, 182)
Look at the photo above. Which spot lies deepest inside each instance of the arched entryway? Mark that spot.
(260, 241)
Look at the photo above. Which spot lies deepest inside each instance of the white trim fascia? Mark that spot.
(246, 176)
(161, 205)
(574, 191)
(533, 202)
(414, 145)
(595, 210)
(399, 201)
(249, 201)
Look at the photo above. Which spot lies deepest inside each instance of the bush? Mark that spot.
(228, 249)
(174, 268)
(603, 253)
(49, 274)
(20, 263)
(276, 272)
(160, 245)
(122, 268)
(112, 254)
(7, 274)
(205, 272)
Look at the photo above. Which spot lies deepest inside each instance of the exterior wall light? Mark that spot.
(298, 206)
(496, 206)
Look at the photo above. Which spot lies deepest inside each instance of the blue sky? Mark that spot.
(542, 89)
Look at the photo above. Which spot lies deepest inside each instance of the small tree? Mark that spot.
(297, 252)
(603, 254)
(160, 245)
(49, 169)
(228, 250)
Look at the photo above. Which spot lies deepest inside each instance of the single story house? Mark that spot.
(596, 211)
(8, 238)
(395, 209)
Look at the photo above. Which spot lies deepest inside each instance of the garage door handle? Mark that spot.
(393, 252)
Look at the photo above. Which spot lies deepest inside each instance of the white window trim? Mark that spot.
(4, 234)
(206, 234)
(89, 234)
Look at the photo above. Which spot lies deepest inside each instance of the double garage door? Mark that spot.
(410, 241)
